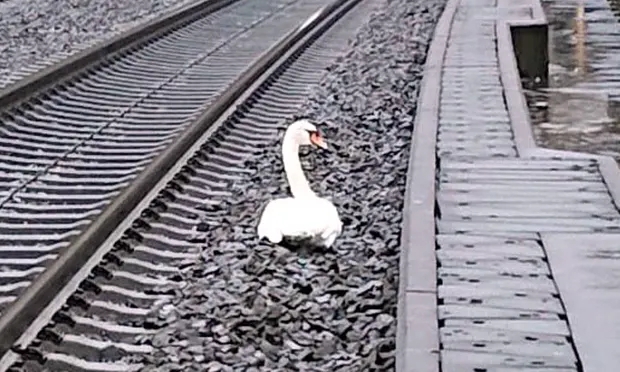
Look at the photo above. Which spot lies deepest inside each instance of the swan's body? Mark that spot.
(305, 216)
(314, 220)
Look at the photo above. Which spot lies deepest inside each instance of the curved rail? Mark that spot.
(15, 321)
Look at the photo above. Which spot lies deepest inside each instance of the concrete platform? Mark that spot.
(587, 272)
(484, 205)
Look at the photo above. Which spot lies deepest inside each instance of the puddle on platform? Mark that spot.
(580, 110)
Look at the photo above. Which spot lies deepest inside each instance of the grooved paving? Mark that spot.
(473, 120)
(499, 307)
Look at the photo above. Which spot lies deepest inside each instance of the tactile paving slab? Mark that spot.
(499, 307)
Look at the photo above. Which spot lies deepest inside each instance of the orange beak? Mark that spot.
(317, 140)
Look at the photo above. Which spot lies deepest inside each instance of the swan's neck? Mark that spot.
(292, 167)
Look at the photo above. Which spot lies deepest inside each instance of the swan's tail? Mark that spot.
(330, 238)
(273, 236)
(268, 230)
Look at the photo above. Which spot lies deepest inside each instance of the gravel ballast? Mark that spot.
(253, 306)
(36, 33)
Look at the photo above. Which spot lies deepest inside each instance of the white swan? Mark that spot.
(305, 216)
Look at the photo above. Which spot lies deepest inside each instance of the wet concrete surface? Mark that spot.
(580, 109)
(587, 272)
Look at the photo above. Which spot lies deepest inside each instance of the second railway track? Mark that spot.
(96, 318)
(66, 151)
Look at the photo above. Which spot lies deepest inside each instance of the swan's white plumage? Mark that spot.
(305, 216)
(312, 218)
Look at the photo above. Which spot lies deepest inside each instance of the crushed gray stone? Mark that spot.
(254, 306)
(37, 33)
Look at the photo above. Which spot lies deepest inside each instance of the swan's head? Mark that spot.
(306, 133)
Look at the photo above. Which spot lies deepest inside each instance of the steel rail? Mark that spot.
(66, 152)
(106, 50)
(42, 291)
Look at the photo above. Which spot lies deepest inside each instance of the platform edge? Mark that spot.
(417, 334)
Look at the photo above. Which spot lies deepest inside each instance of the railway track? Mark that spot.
(152, 165)
(68, 148)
